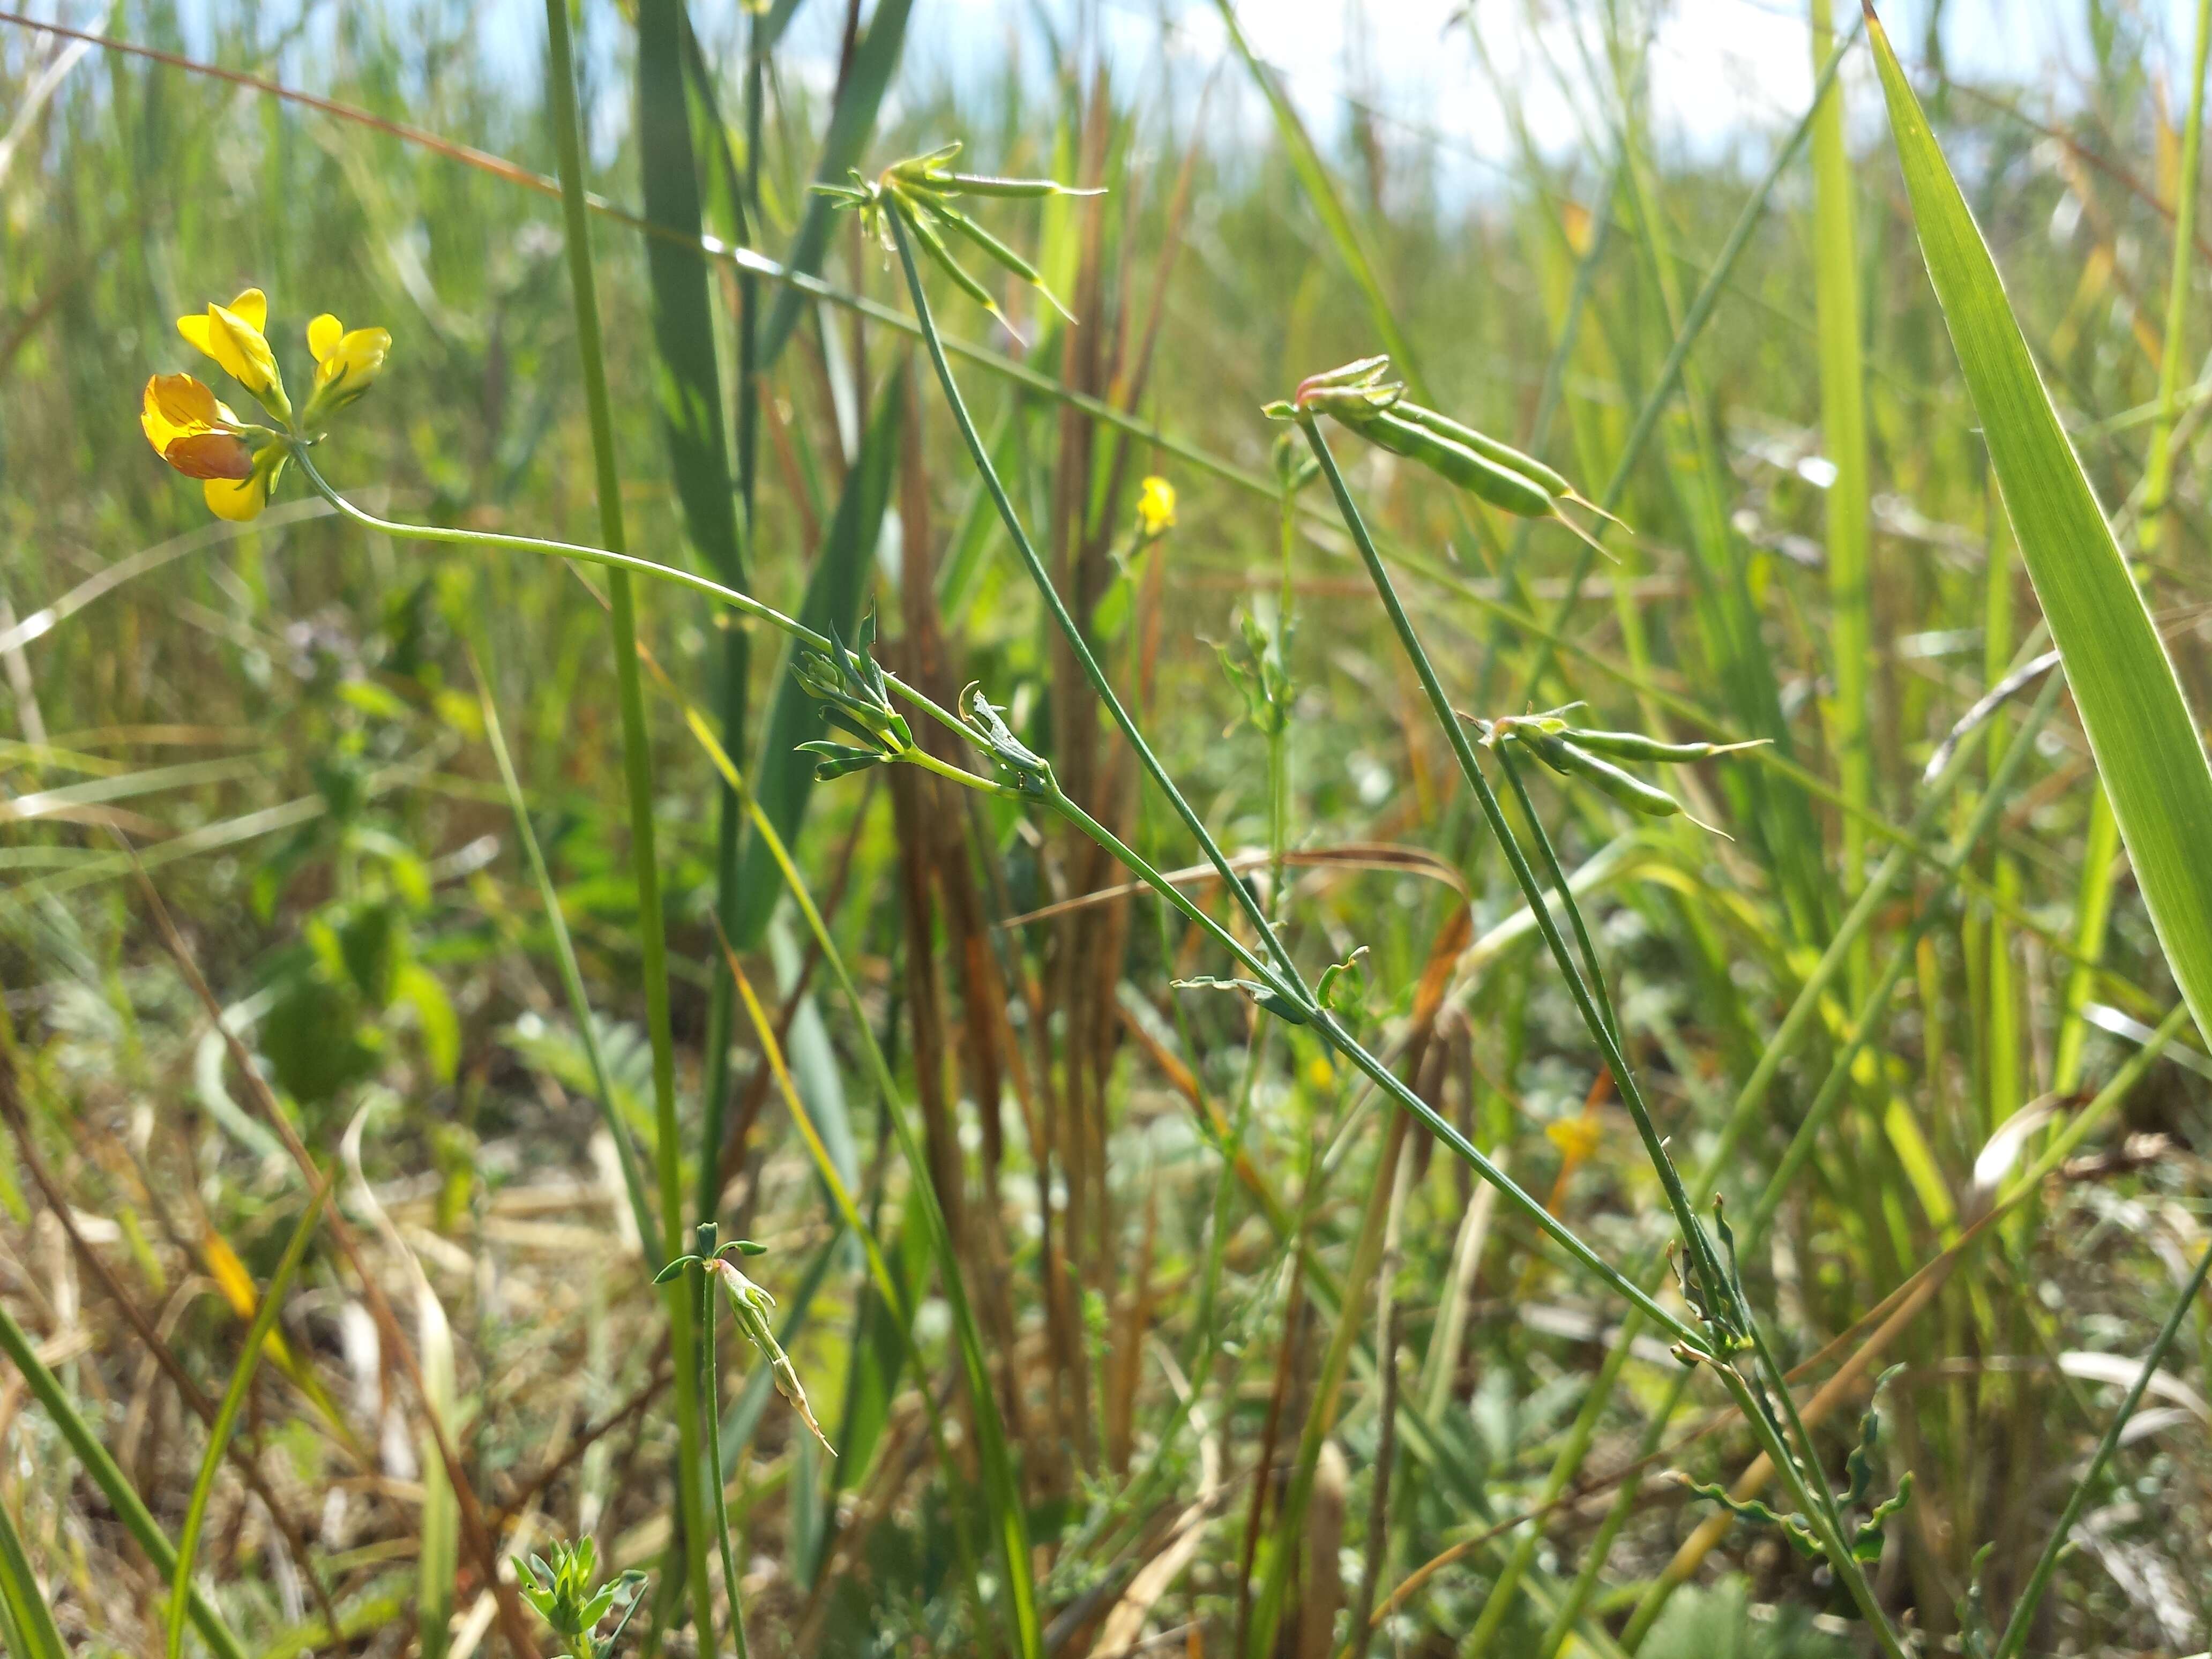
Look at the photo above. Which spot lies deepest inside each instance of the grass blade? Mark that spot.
(851, 122)
(637, 767)
(688, 384)
(122, 1498)
(2138, 722)
(27, 1623)
(226, 1417)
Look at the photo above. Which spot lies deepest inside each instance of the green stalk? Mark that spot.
(27, 1623)
(637, 766)
(2158, 475)
(1816, 1511)
(114, 1485)
(1558, 877)
(711, 1393)
(1714, 1284)
(1281, 976)
(226, 1416)
(2039, 1580)
(1844, 438)
(572, 978)
(1077, 643)
(1751, 1095)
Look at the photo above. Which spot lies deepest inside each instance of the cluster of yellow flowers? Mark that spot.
(238, 461)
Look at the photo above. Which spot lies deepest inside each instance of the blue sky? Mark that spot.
(1723, 72)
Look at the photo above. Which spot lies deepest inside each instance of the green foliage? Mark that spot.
(570, 1597)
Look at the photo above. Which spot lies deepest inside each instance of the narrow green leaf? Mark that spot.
(114, 1485)
(226, 1417)
(27, 1623)
(2138, 722)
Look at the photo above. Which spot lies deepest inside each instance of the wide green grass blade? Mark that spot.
(688, 385)
(2138, 722)
(875, 55)
(27, 1623)
(784, 777)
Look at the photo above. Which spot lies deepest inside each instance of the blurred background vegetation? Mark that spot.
(286, 724)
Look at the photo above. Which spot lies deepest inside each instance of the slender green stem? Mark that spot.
(710, 1394)
(572, 981)
(2158, 474)
(226, 1416)
(1714, 1284)
(744, 604)
(1069, 629)
(637, 767)
(1816, 1511)
(1603, 998)
(1008, 1516)
(1142, 867)
(2039, 1580)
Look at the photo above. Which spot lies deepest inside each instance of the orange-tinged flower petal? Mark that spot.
(209, 455)
(185, 401)
(323, 336)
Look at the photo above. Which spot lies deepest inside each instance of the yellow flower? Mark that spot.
(191, 431)
(198, 435)
(232, 336)
(1156, 508)
(346, 363)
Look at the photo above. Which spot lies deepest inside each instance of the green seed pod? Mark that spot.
(1634, 745)
(933, 245)
(1488, 447)
(1453, 462)
(978, 184)
(997, 250)
(1632, 792)
(1546, 746)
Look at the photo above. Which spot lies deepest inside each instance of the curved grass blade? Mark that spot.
(27, 1623)
(226, 1417)
(2138, 722)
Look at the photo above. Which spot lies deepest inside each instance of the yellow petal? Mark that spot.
(237, 502)
(197, 331)
(354, 361)
(244, 498)
(253, 306)
(184, 399)
(324, 334)
(165, 414)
